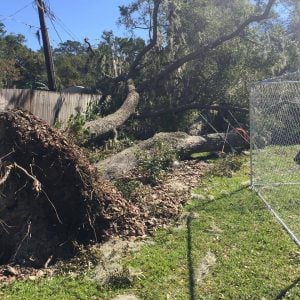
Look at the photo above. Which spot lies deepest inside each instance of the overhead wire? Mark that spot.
(19, 21)
(12, 18)
(54, 18)
(66, 29)
(16, 12)
(57, 33)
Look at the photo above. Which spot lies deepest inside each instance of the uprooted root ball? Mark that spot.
(50, 196)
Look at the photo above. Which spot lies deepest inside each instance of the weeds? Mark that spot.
(151, 164)
(75, 129)
(128, 187)
(226, 166)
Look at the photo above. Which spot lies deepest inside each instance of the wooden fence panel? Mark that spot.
(50, 106)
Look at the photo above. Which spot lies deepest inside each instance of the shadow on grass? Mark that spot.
(190, 259)
(285, 291)
(203, 203)
(191, 273)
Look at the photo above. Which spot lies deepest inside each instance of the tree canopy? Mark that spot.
(195, 52)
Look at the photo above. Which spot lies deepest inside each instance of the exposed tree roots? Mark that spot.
(51, 196)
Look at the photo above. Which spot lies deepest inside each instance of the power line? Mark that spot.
(18, 21)
(56, 30)
(66, 29)
(16, 12)
(54, 18)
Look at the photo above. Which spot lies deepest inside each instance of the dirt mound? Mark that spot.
(50, 196)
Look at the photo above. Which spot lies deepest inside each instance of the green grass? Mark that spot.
(275, 164)
(254, 257)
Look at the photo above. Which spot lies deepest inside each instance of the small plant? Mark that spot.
(226, 166)
(75, 129)
(58, 124)
(151, 164)
(128, 188)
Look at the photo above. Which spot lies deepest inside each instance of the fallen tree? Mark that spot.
(51, 197)
(101, 126)
(182, 143)
(154, 81)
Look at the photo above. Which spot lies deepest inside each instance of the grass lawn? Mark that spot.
(275, 164)
(228, 246)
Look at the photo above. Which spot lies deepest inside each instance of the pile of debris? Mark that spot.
(164, 201)
(51, 197)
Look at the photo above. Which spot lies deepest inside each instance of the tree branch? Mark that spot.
(152, 43)
(180, 108)
(106, 124)
(203, 51)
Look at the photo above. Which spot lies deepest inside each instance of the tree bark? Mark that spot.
(183, 144)
(107, 124)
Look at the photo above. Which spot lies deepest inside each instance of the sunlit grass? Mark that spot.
(253, 257)
(275, 172)
(275, 164)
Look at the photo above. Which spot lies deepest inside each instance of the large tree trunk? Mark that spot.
(104, 125)
(184, 144)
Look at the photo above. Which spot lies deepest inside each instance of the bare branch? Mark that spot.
(6, 174)
(152, 42)
(89, 46)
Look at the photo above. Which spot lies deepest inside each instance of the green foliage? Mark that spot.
(75, 129)
(128, 187)
(264, 50)
(226, 166)
(151, 164)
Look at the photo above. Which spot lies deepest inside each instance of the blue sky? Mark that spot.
(84, 18)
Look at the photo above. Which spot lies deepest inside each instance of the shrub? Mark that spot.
(75, 129)
(128, 188)
(152, 163)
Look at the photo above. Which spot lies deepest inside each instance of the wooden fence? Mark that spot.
(50, 106)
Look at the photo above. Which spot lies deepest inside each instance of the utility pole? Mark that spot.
(46, 46)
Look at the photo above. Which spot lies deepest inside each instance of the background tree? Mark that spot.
(199, 53)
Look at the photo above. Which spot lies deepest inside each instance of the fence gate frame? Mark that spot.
(274, 110)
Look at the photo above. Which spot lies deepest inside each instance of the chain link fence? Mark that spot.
(275, 146)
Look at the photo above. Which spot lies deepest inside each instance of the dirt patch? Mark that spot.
(164, 201)
(205, 266)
